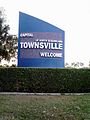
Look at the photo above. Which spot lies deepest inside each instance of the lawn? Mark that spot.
(29, 107)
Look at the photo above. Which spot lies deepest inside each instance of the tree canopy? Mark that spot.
(7, 41)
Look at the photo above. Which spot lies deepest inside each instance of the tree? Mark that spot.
(67, 65)
(77, 64)
(89, 64)
(7, 41)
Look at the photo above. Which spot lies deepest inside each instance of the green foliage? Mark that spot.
(45, 80)
(6, 41)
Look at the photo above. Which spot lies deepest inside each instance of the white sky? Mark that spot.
(73, 16)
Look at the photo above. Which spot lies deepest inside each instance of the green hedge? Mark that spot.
(44, 80)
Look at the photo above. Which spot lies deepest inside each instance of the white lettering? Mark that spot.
(46, 45)
(47, 54)
(30, 44)
(42, 45)
(60, 46)
(21, 43)
(36, 44)
(26, 34)
(25, 45)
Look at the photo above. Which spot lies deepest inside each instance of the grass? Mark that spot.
(26, 107)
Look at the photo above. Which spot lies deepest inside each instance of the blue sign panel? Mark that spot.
(40, 44)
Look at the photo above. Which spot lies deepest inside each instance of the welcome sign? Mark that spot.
(40, 44)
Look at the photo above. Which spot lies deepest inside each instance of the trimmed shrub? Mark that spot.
(39, 80)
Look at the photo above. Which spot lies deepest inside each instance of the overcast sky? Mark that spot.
(73, 16)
